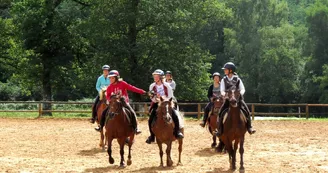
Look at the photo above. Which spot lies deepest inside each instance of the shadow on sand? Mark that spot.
(91, 152)
(155, 169)
(104, 169)
(224, 170)
(206, 152)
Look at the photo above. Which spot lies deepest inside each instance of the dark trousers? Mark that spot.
(94, 109)
(207, 110)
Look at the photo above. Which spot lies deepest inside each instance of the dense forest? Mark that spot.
(54, 49)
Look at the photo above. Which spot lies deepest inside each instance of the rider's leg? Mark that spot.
(248, 117)
(220, 118)
(133, 117)
(206, 112)
(94, 110)
(152, 116)
(102, 120)
(175, 119)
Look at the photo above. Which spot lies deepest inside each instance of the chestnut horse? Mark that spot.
(118, 127)
(234, 129)
(163, 130)
(101, 106)
(212, 122)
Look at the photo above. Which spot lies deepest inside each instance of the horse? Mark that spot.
(101, 106)
(118, 127)
(234, 129)
(163, 130)
(212, 124)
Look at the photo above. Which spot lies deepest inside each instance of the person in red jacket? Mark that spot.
(121, 87)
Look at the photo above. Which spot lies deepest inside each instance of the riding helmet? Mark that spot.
(113, 73)
(106, 67)
(231, 66)
(216, 74)
(158, 72)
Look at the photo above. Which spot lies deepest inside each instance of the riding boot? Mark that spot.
(94, 110)
(177, 131)
(133, 117)
(250, 130)
(206, 112)
(152, 116)
(102, 120)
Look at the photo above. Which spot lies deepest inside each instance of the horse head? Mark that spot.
(233, 96)
(165, 109)
(102, 93)
(217, 103)
(115, 105)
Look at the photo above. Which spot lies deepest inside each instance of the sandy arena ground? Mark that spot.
(49, 145)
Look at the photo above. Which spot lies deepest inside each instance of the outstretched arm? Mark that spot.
(134, 89)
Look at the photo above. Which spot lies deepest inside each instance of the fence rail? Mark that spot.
(145, 106)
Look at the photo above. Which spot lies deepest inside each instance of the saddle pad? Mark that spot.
(242, 116)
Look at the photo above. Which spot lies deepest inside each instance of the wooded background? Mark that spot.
(54, 49)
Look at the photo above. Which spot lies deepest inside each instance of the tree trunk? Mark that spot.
(46, 85)
(133, 44)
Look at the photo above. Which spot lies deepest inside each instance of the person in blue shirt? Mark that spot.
(102, 82)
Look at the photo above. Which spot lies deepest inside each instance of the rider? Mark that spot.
(169, 80)
(213, 91)
(102, 82)
(118, 86)
(232, 79)
(161, 88)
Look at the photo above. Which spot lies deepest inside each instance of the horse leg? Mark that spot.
(213, 137)
(241, 152)
(160, 146)
(101, 144)
(109, 150)
(130, 146)
(180, 151)
(122, 143)
(235, 148)
(169, 161)
(230, 151)
(220, 147)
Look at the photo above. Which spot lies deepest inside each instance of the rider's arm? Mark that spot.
(210, 92)
(98, 85)
(222, 87)
(173, 85)
(133, 88)
(241, 87)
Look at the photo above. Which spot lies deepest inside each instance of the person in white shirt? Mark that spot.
(161, 89)
(232, 80)
(169, 80)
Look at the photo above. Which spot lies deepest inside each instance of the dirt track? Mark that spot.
(71, 146)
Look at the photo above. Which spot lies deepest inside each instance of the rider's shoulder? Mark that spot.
(166, 84)
(152, 85)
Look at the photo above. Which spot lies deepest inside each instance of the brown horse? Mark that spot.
(212, 121)
(101, 106)
(118, 127)
(234, 129)
(163, 130)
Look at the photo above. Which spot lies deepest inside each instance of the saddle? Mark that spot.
(110, 115)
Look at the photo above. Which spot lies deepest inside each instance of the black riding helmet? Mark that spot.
(168, 72)
(230, 66)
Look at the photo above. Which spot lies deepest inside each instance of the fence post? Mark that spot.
(199, 110)
(145, 109)
(253, 111)
(40, 109)
(307, 111)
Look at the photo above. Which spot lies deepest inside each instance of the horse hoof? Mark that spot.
(170, 163)
(122, 165)
(241, 169)
(129, 162)
(213, 145)
(179, 164)
(111, 160)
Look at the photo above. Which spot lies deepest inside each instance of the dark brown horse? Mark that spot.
(234, 129)
(163, 130)
(212, 121)
(101, 106)
(118, 127)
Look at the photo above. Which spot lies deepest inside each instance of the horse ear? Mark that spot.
(171, 99)
(161, 99)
